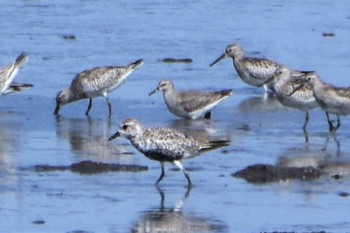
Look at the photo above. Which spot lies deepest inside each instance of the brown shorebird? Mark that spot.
(190, 104)
(93, 83)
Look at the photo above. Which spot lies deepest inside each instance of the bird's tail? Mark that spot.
(226, 92)
(17, 87)
(21, 59)
(137, 63)
(215, 144)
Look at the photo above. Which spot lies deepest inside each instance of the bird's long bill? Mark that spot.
(57, 109)
(152, 92)
(301, 73)
(218, 59)
(298, 87)
(114, 136)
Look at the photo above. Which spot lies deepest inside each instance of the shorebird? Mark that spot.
(164, 144)
(9, 72)
(190, 104)
(284, 85)
(253, 71)
(333, 100)
(95, 82)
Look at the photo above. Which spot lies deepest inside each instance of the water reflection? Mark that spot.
(267, 102)
(9, 141)
(89, 138)
(174, 219)
(199, 129)
(298, 164)
(337, 143)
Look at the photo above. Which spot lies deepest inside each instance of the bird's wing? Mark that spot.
(340, 96)
(170, 142)
(260, 68)
(194, 101)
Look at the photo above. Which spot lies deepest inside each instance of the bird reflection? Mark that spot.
(336, 140)
(89, 138)
(10, 181)
(198, 129)
(264, 103)
(301, 158)
(173, 219)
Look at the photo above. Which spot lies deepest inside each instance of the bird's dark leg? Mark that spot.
(179, 165)
(338, 124)
(306, 120)
(89, 107)
(109, 107)
(207, 115)
(330, 124)
(161, 174)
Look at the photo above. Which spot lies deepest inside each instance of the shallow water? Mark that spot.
(66, 37)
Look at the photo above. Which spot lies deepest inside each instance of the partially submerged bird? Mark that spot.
(333, 100)
(95, 82)
(190, 104)
(164, 145)
(285, 83)
(253, 71)
(9, 72)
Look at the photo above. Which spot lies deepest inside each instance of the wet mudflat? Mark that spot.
(304, 183)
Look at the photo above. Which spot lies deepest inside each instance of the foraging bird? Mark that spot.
(164, 145)
(9, 72)
(93, 83)
(253, 71)
(333, 100)
(283, 85)
(190, 104)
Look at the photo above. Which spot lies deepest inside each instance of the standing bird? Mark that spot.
(333, 100)
(191, 104)
(93, 83)
(253, 71)
(164, 145)
(8, 73)
(284, 83)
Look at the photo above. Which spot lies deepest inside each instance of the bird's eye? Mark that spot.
(125, 127)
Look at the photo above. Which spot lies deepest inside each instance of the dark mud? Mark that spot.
(89, 167)
(176, 60)
(265, 173)
(262, 173)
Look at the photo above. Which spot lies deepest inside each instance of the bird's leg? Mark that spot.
(109, 106)
(179, 165)
(330, 124)
(161, 174)
(304, 127)
(306, 120)
(89, 107)
(338, 124)
(207, 115)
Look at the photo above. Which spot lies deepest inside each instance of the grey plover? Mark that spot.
(333, 100)
(190, 104)
(9, 72)
(164, 144)
(253, 71)
(284, 86)
(93, 83)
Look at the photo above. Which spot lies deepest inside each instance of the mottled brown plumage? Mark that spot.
(190, 104)
(164, 145)
(334, 100)
(95, 82)
(253, 71)
(9, 72)
(285, 81)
